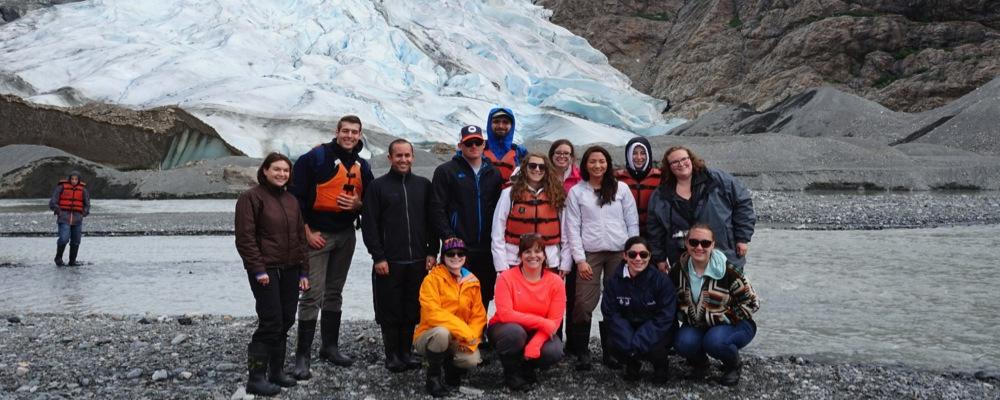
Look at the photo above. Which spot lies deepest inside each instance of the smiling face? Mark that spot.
(536, 170)
(348, 135)
(699, 252)
(680, 163)
(563, 156)
(533, 257)
(501, 126)
(401, 157)
(637, 258)
(639, 157)
(74, 180)
(597, 165)
(472, 149)
(454, 260)
(277, 173)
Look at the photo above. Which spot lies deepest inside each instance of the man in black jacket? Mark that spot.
(466, 190)
(403, 247)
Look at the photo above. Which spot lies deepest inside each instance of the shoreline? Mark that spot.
(131, 356)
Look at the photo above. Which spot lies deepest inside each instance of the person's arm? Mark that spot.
(246, 233)
(371, 220)
(620, 331)
(439, 206)
(504, 302)
(498, 246)
(86, 202)
(433, 242)
(553, 317)
(631, 211)
(744, 217)
(565, 254)
(658, 233)
(54, 200)
(573, 231)
(742, 299)
(477, 321)
(303, 244)
(302, 186)
(653, 331)
(435, 315)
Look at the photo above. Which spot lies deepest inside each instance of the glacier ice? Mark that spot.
(415, 69)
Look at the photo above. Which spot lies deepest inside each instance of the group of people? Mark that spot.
(536, 234)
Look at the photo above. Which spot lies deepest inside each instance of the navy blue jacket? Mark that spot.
(308, 172)
(464, 202)
(394, 221)
(641, 311)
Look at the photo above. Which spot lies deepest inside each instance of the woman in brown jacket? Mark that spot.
(271, 241)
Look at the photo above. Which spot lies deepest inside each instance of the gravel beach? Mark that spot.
(48, 356)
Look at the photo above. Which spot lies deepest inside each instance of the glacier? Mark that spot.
(275, 75)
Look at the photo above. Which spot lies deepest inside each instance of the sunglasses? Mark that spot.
(679, 161)
(536, 166)
(695, 242)
(453, 254)
(473, 142)
(642, 254)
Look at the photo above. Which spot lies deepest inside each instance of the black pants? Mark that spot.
(397, 295)
(510, 338)
(480, 263)
(275, 304)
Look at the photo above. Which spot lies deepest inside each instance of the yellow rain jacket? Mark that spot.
(453, 303)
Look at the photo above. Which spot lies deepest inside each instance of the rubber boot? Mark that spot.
(512, 365)
(257, 360)
(60, 248)
(276, 367)
(529, 372)
(452, 374)
(406, 347)
(73, 249)
(303, 348)
(699, 368)
(633, 370)
(330, 334)
(607, 357)
(433, 383)
(661, 371)
(731, 372)
(390, 343)
(581, 336)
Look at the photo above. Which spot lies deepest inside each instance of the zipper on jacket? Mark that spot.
(479, 208)
(406, 209)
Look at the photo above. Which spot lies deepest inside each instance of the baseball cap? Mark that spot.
(472, 132)
(502, 113)
(453, 244)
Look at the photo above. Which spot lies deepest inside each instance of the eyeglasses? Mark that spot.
(455, 253)
(536, 166)
(473, 142)
(642, 254)
(695, 242)
(679, 161)
(562, 153)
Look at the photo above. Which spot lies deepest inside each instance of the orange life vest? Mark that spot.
(532, 214)
(344, 180)
(641, 191)
(505, 165)
(71, 198)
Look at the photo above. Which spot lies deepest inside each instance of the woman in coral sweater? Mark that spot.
(530, 303)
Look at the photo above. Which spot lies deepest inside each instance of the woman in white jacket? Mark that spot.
(534, 203)
(600, 216)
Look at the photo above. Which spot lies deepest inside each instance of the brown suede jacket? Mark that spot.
(269, 231)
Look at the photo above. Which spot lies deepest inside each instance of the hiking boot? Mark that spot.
(633, 370)
(390, 344)
(433, 384)
(406, 347)
(512, 370)
(330, 335)
(731, 372)
(276, 367)
(661, 371)
(257, 360)
(581, 336)
(303, 346)
(607, 358)
(699, 368)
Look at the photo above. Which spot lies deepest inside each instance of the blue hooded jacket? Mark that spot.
(501, 147)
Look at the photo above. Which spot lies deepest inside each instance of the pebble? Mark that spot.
(14, 320)
(185, 321)
(469, 391)
(226, 366)
(239, 394)
(185, 375)
(21, 371)
(134, 373)
(144, 321)
(83, 381)
(160, 375)
(180, 338)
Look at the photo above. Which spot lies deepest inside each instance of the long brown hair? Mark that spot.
(551, 183)
(271, 159)
(697, 164)
(609, 185)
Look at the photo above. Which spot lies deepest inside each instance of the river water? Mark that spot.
(921, 297)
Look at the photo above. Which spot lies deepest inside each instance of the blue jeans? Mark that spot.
(722, 342)
(70, 234)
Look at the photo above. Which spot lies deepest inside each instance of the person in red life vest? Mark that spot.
(500, 147)
(640, 176)
(329, 182)
(403, 247)
(530, 304)
(271, 241)
(70, 202)
(533, 204)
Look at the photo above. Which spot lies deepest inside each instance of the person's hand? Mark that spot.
(584, 271)
(430, 262)
(315, 239)
(349, 201)
(303, 284)
(663, 266)
(741, 249)
(263, 279)
(382, 268)
(562, 274)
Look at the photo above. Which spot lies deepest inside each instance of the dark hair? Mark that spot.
(555, 145)
(697, 164)
(700, 225)
(271, 159)
(351, 119)
(609, 185)
(634, 240)
(530, 241)
(399, 141)
(551, 183)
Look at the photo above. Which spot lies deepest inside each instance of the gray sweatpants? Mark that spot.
(328, 268)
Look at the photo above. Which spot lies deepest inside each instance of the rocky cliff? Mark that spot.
(906, 55)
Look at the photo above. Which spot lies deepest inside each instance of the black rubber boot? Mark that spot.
(731, 372)
(581, 336)
(330, 334)
(607, 356)
(633, 370)
(529, 372)
(72, 255)
(661, 371)
(60, 248)
(390, 343)
(452, 374)
(257, 360)
(699, 368)
(433, 384)
(303, 347)
(276, 367)
(406, 347)
(512, 374)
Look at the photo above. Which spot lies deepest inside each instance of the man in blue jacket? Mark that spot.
(500, 147)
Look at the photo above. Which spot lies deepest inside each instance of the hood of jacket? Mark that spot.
(499, 147)
(638, 172)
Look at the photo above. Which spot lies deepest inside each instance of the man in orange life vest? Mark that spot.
(640, 176)
(329, 182)
(70, 202)
(500, 148)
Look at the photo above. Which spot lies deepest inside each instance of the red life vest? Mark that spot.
(641, 191)
(505, 165)
(532, 214)
(71, 197)
(344, 180)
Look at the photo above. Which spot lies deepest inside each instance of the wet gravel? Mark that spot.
(46, 356)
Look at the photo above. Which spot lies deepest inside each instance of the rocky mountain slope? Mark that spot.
(906, 55)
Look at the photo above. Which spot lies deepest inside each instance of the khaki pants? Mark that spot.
(588, 293)
(438, 340)
(328, 268)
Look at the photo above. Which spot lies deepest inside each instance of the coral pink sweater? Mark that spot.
(536, 306)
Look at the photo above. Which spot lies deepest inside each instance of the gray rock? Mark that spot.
(160, 375)
(14, 319)
(185, 320)
(226, 366)
(239, 394)
(185, 375)
(180, 338)
(134, 373)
